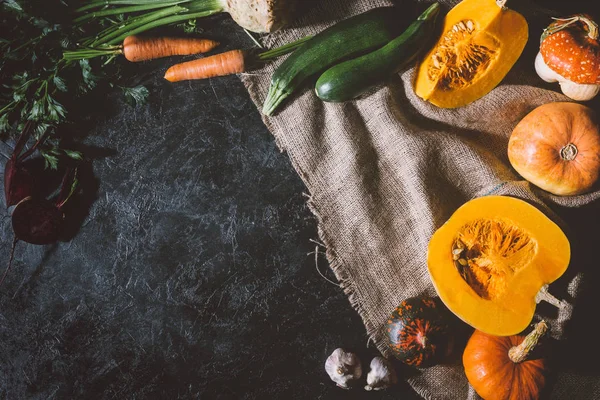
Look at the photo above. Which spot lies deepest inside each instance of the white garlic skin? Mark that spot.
(575, 91)
(343, 367)
(382, 374)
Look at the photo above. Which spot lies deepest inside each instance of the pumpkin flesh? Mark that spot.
(480, 43)
(510, 250)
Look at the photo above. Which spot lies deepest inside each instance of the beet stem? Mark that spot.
(66, 191)
(35, 145)
(22, 140)
(12, 256)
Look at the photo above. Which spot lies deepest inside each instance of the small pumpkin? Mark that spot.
(481, 41)
(557, 148)
(419, 332)
(491, 262)
(570, 55)
(498, 367)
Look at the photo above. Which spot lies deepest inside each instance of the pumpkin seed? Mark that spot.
(460, 56)
(488, 245)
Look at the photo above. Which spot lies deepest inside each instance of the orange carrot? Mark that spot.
(230, 62)
(136, 48)
(139, 48)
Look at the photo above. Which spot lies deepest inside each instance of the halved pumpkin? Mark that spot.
(491, 262)
(480, 43)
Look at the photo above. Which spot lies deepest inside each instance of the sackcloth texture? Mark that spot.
(385, 171)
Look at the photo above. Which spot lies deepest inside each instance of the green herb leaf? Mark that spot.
(135, 95)
(18, 96)
(60, 83)
(13, 4)
(73, 154)
(4, 125)
(41, 128)
(56, 111)
(190, 26)
(89, 78)
(37, 110)
(50, 160)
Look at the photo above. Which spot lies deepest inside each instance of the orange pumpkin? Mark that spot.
(498, 369)
(557, 148)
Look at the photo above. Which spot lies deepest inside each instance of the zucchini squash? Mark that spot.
(351, 37)
(352, 78)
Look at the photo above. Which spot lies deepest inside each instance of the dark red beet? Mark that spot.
(37, 221)
(19, 182)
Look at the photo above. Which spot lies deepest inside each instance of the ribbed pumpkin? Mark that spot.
(557, 148)
(499, 368)
(418, 331)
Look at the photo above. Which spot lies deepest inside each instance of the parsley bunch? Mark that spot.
(37, 82)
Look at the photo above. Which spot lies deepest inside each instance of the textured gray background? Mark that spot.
(185, 271)
(189, 275)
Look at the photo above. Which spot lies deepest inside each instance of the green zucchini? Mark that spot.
(350, 79)
(348, 38)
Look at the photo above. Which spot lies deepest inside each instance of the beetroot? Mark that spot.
(38, 220)
(19, 181)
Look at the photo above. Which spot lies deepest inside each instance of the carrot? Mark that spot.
(139, 48)
(230, 62)
(136, 48)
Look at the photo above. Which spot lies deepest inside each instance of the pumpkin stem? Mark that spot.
(592, 27)
(569, 152)
(501, 4)
(422, 339)
(544, 295)
(566, 22)
(519, 353)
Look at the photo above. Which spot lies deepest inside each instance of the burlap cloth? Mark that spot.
(385, 171)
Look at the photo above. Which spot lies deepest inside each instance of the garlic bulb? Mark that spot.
(575, 91)
(382, 374)
(343, 367)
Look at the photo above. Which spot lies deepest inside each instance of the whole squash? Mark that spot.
(557, 148)
(570, 55)
(501, 368)
(491, 262)
(481, 41)
(419, 331)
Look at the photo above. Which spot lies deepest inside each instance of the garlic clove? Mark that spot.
(382, 374)
(579, 91)
(544, 71)
(343, 367)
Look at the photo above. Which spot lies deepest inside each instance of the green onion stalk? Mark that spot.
(254, 15)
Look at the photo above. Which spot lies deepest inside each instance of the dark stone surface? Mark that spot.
(187, 273)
